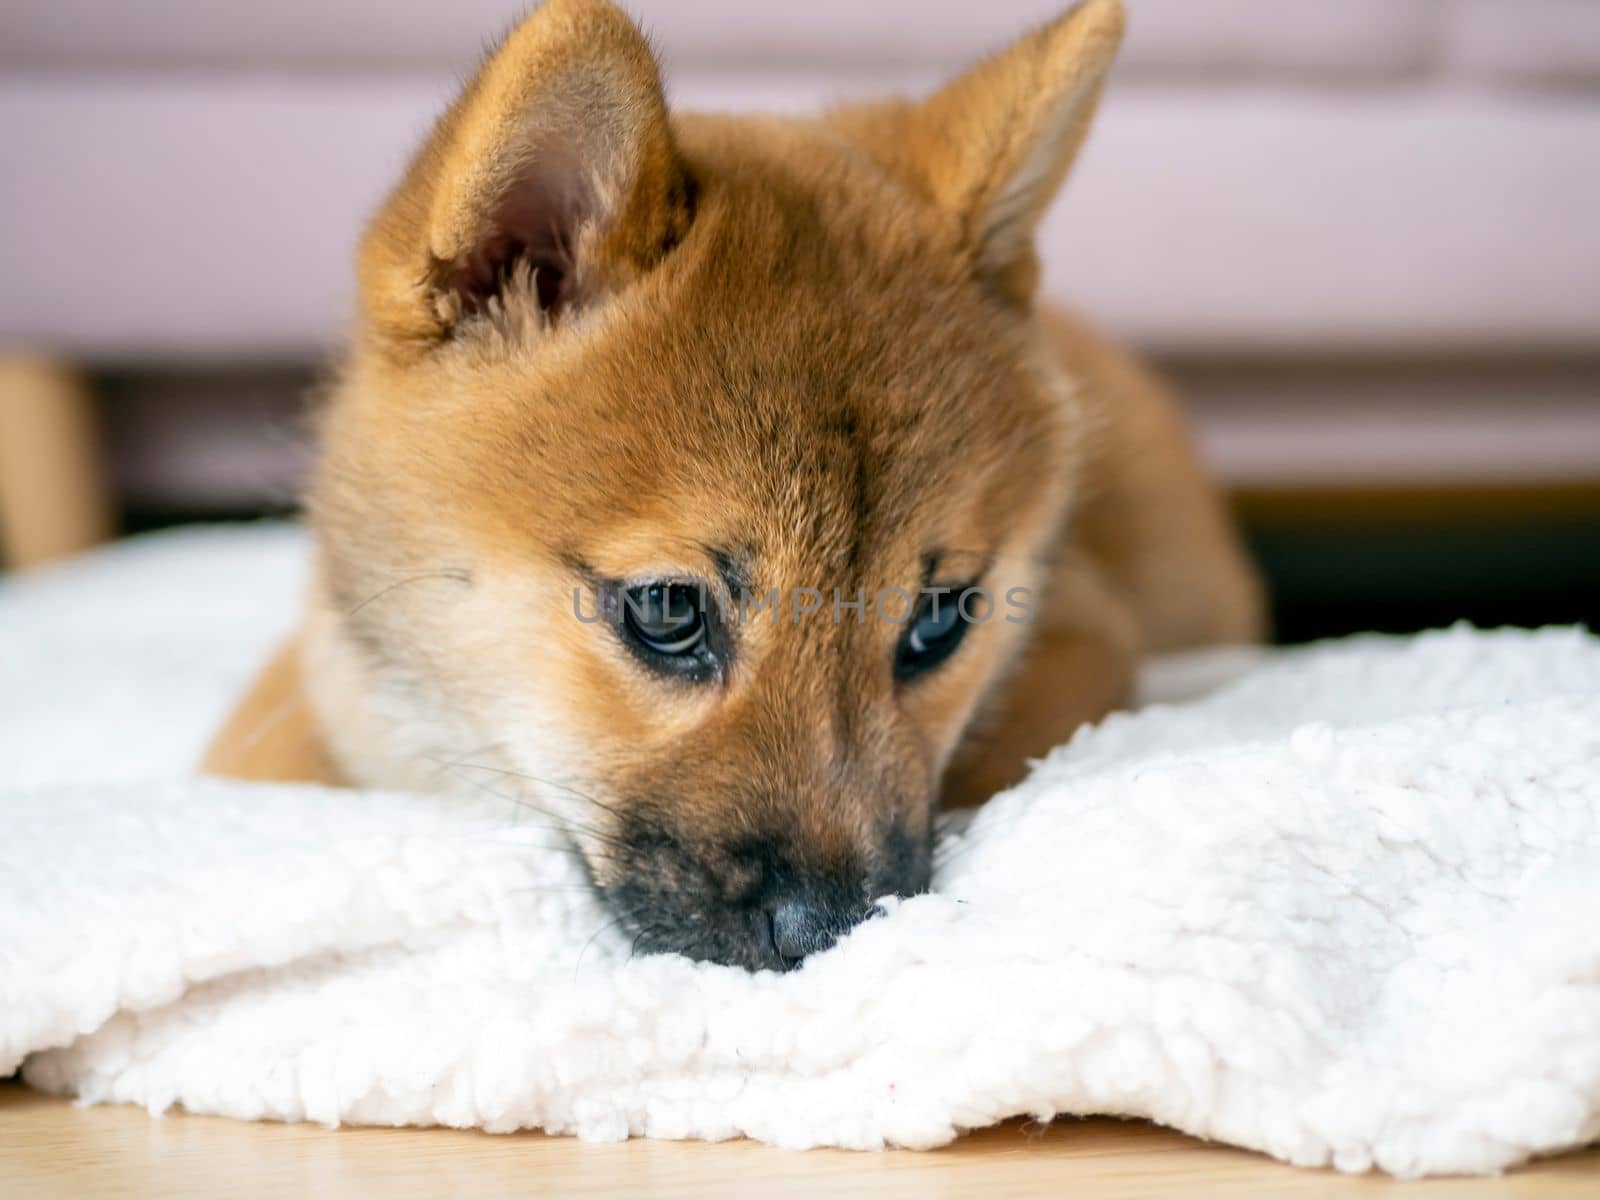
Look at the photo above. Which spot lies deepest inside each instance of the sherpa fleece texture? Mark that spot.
(1343, 910)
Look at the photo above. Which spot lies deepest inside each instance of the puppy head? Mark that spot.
(663, 442)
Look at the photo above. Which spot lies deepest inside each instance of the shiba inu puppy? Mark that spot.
(661, 440)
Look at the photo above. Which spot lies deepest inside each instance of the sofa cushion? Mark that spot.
(1361, 37)
(1531, 41)
(192, 217)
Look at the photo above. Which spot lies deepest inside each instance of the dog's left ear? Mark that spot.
(552, 181)
(991, 148)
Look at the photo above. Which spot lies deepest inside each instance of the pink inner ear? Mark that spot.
(536, 222)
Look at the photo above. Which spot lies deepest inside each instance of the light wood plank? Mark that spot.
(54, 497)
(48, 1149)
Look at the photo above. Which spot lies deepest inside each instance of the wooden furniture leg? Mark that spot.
(54, 496)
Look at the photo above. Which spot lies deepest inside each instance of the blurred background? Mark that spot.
(1362, 236)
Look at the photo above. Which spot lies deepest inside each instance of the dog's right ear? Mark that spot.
(551, 180)
(991, 147)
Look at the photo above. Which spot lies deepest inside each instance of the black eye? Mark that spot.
(665, 618)
(936, 629)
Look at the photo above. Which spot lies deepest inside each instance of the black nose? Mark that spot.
(802, 926)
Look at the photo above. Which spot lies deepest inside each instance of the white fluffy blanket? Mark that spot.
(1345, 910)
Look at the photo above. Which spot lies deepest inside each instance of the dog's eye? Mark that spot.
(665, 618)
(936, 629)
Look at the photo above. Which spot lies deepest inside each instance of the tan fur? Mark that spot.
(273, 733)
(804, 347)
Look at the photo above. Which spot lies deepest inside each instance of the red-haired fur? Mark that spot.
(602, 342)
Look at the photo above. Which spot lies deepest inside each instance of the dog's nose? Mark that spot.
(803, 925)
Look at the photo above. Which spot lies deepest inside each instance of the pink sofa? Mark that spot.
(186, 178)
(1328, 179)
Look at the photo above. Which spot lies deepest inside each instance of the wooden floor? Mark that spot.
(50, 1149)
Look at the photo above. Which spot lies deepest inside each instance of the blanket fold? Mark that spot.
(1341, 909)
